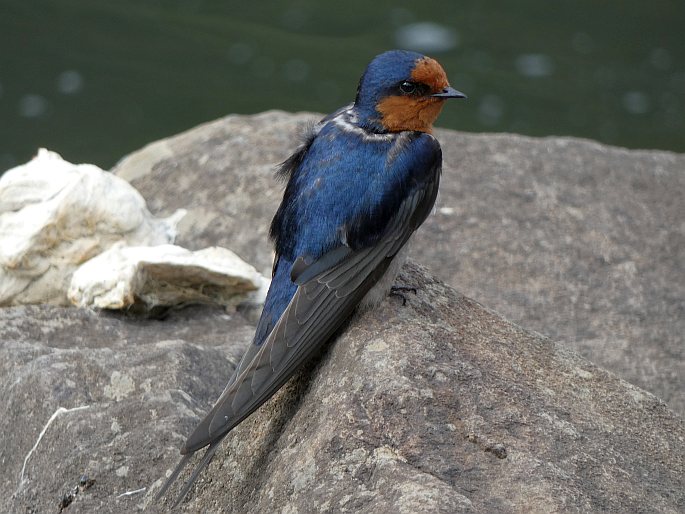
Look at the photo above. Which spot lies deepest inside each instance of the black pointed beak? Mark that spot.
(449, 92)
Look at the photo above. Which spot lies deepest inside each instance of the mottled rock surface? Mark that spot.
(437, 406)
(579, 241)
(141, 384)
(441, 405)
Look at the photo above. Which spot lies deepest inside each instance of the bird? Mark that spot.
(362, 181)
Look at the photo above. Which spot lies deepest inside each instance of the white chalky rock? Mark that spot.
(55, 215)
(165, 275)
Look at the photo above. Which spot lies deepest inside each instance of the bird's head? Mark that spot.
(402, 90)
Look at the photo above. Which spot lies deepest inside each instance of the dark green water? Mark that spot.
(94, 80)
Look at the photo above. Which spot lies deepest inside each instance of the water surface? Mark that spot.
(94, 80)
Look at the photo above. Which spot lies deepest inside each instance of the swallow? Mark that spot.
(363, 180)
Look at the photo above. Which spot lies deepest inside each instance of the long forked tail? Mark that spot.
(206, 459)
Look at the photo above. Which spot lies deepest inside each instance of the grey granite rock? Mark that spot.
(437, 406)
(131, 388)
(579, 241)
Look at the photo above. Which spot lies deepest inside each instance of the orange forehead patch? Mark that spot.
(428, 71)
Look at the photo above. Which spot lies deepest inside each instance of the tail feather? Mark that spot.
(206, 459)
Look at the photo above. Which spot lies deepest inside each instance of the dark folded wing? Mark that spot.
(329, 290)
(317, 309)
(302, 271)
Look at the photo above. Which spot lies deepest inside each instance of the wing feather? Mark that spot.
(313, 315)
(329, 289)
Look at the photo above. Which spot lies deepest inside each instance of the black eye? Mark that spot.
(413, 88)
(408, 88)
